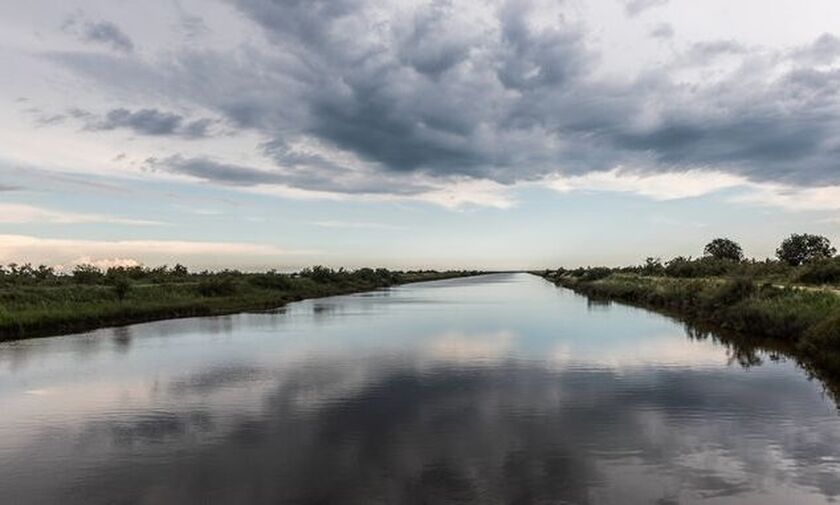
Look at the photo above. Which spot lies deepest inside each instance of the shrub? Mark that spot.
(824, 335)
(87, 274)
(595, 273)
(224, 286)
(703, 267)
(652, 266)
(319, 273)
(271, 280)
(821, 272)
(121, 287)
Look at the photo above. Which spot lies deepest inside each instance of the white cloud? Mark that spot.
(695, 183)
(15, 213)
(465, 193)
(659, 186)
(17, 248)
(357, 225)
(793, 198)
(457, 346)
(102, 264)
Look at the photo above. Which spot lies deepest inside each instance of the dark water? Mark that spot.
(498, 389)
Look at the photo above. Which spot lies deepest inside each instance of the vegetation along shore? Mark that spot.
(37, 301)
(791, 302)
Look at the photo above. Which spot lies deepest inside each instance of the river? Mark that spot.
(493, 389)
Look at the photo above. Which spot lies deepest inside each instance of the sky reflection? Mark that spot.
(490, 390)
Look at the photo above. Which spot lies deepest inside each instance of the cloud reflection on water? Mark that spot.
(373, 404)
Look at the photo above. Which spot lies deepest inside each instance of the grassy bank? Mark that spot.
(805, 321)
(37, 302)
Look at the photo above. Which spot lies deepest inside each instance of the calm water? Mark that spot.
(496, 389)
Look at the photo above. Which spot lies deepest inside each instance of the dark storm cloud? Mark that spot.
(103, 32)
(429, 44)
(222, 173)
(144, 122)
(297, 174)
(422, 92)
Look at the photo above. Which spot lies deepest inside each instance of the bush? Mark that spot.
(688, 268)
(121, 287)
(653, 267)
(224, 286)
(821, 272)
(824, 335)
(271, 280)
(87, 274)
(595, 273)
(319, 274)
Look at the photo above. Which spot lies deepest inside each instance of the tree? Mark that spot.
(86, 274)
(724, 249)
(804, 248)
(653, 266)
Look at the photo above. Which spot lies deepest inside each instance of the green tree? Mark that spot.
(724, 249)
(801, 248)
(86, 274)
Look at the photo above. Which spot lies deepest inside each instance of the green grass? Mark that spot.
(63, 306)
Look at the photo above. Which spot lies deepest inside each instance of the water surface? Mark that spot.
(494, 389)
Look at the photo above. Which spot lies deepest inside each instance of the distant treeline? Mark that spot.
(27, 274)
(801, 258)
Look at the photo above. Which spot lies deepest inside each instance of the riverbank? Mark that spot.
(40, 307)
(804, 321)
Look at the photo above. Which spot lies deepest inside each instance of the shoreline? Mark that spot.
(738, 313)
(68, 319)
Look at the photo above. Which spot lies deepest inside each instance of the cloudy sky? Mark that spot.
(481, 133)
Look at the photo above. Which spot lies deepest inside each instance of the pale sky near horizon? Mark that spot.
(494, 134)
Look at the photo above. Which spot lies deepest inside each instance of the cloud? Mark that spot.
(678, 185)
(794, 198)
(222, 173)
(102, 264)
(704, 52)
(356, 225)
(662, 31)
(823, 51)
(659, 186)
(67, 251)
(355, 97)
(452, 192)
(102, 32)
(635, 7)
(14, 213)
(147, 122)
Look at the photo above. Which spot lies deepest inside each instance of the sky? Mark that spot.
(491, 134)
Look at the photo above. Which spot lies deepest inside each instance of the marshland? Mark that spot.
(38, 301)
